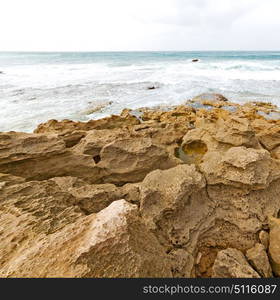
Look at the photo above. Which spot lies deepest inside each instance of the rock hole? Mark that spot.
(191, 153)
(97, 159)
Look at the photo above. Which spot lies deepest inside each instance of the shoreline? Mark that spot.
(181, 191)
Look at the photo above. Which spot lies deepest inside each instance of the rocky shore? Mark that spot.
(186, 191)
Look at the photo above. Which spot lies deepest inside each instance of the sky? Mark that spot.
(142, 25)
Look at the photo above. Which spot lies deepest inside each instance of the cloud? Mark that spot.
(139, 25)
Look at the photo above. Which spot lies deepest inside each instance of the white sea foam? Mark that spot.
(34, 91)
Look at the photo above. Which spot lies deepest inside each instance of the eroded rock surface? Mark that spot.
(274, 244)
(199, 184)
(231, 263)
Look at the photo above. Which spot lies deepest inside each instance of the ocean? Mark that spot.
(36, 87)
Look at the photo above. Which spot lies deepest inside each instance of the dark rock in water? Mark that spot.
(1, 72)
(210, 97)
(152, 87)
(195, 60)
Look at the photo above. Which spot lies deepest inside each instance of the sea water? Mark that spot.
(36, 87)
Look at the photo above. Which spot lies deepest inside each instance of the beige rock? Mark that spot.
(264, 239)
(182, 263)
(130, 160)
(231, 263)
(164, 192)
(197, 183)
(54, 126)
(240, 166)
(258, 258)
(112, 243)
(274, 244)
(270, 137)
(39, 157)
(275, 153)
(217, 100)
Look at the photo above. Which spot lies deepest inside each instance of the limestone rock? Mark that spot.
(130, 160)
(274, 244)
(182, 263)
(264, 239)
(258, 258)
(240, 166)
(112, 243)
(39, 157)
(198, 181)
(231, 263)
(54, 126)
(163, 192)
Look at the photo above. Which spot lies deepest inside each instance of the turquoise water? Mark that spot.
(35, 87)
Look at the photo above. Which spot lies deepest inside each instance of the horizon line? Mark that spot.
(116, 51)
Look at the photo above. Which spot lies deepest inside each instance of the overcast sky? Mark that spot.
(112, 25)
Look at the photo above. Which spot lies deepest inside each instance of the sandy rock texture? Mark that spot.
(186, 191)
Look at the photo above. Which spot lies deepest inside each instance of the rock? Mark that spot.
(54, 126)
(269, 137)
(258, 258)
(264, 239)
(197, 182)
(275, 153)
(112, 243)
(151, 88)
(231, 263)
(39, 157)
(195, 60)
(182, 263)
(161, 198)
(96, 107)
(211, 99)
(135, 159)
(240, 166)
(274, 244)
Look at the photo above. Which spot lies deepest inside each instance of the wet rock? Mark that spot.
(211, 99)
(54, 126)
(231, 263)
(195, 60)
(96, 107)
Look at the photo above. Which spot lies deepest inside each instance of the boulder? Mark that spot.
(130, 160)
(258, 258)
(112, 243)
(39, 157)
(240, 166)
(231, 263)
